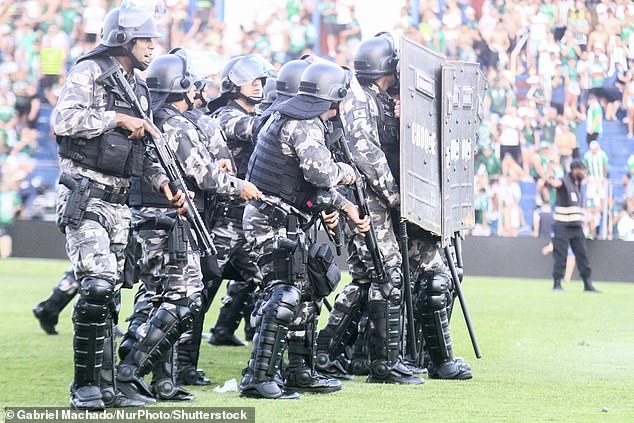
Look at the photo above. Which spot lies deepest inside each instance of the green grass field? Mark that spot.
(546, 357)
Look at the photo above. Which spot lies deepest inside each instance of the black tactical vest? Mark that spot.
(275, 173)
(569, 203)
(388, 127)
(111, 153)
(142, 193)
(241, 159)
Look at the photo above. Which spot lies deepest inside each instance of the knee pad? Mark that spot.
(282, 304)
(434, 292)
(95, 296)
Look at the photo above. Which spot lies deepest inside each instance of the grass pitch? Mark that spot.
(547, 357)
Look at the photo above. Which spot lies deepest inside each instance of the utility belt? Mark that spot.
(277, 216)
(230, 210)
(81, 191)
(294, 262)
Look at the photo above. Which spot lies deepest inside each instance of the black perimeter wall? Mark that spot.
(483, 256)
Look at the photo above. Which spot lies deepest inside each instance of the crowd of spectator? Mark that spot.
(551, 66)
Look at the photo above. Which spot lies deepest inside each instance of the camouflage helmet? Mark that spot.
(168, 74)
(289, 77)
(325, 81)
(376, 57)
(124, 24)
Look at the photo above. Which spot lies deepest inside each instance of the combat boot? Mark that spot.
(557, 285)
(452, 370)
(333, 368)
(47, 319)
(86, 398)
(220, 335)
(163, 385)
(589, 287)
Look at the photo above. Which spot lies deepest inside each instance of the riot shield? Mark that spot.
(463, 88)
(420, 92)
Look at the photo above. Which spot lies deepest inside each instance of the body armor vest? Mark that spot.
(241, 159)
(275, 173)
(142, 193)
(110, 153)
(388, 127)
(568, 204)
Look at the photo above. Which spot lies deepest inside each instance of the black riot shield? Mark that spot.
(463, 87)
(420, 93)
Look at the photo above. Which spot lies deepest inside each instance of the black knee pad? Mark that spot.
(282, 304)
(434, 292)
(95, 296)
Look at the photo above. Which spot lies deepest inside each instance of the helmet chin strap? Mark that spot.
(251, 100)
(136, 63)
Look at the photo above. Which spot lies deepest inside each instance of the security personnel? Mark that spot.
(100, 147)
(243, 78)
(568, 226)
(169, 269)
(371, 127)
(293, 167)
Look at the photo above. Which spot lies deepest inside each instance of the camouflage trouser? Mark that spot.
(97, 249)
(425, 254)
(354, 300)
(264, 237)
(165, 283)
(233, 250)
(68, 284)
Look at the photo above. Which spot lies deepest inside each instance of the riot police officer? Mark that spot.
(372, 128)
(170, 269)
(100, 147)
(296, 171)
(243, 78)
(568, 226)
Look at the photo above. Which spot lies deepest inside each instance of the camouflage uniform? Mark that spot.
(289, 302)
(380, 299)
(96, 246)
(47, 312)
(239, 127)
(173, 286)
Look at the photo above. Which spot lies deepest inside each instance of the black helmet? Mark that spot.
(169, 74)
(325, 81)
(376, 57)
(124, 24)
(321, 85)
(289, 77)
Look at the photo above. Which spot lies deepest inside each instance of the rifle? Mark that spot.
(167, 158)
(372, 243)
(458, 285)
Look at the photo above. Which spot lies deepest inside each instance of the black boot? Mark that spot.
(188, 351)
(47, 312)
(557, 285)
(300, 374)
(164, 329)
(385, 363)
(163, 384)
(112, 397)
(259, 378)
(230, 315)
(588, 287)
